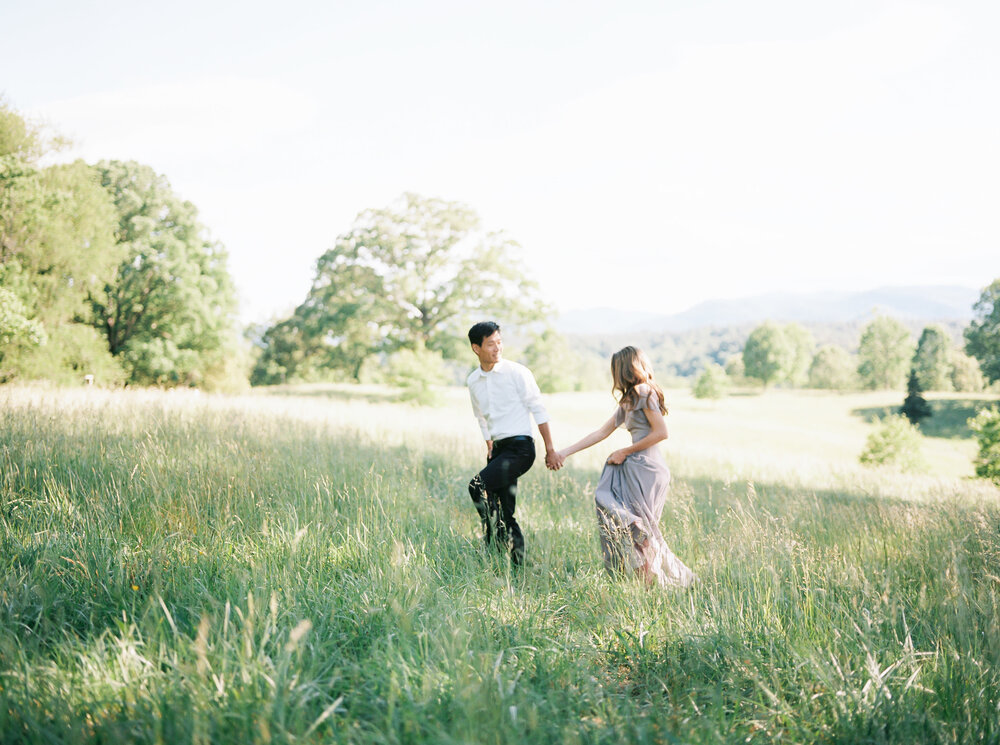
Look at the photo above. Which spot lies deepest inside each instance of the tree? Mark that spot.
(418, 272)
(169, 312)
(965, 374)
(986, 426)
(884, 353)
(57, 246)
(553, 362)
(931, 360)
(915, 406)
(284, 355)
(15, 326)
(768, 355)
(982, 336)
(802, 344)
(735, 370)
(713, 383)
(832, 368)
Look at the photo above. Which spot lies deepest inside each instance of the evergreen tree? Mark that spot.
(915, 406)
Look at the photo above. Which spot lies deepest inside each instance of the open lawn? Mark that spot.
(302, 565)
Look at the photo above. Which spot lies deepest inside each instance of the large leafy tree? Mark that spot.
(982, 336)
(769, 354)
(832, 368)
(802, 344)
(931, 361)
(412, 275)
(884, 354)
(56, 247)
(169, 312)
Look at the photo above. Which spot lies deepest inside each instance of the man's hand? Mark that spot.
(553, 460)
(489, 450)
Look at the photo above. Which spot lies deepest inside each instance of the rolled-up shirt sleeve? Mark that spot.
(531, 396)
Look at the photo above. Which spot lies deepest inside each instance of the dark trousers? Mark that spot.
(494, 493)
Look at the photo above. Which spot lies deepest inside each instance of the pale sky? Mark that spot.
(646, 155)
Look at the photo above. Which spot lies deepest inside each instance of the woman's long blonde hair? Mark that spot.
(630, 367)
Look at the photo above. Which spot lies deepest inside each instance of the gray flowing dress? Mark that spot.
(630, 499)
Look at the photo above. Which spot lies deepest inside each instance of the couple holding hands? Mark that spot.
(633, 485)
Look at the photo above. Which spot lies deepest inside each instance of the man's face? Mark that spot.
(490, 350)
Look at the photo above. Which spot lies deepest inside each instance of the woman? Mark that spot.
(635, 480)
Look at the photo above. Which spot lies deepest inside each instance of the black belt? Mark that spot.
(515, 438)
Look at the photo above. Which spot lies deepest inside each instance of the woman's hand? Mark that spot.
(618, 457)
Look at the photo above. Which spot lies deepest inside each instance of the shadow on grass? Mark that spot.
(949, 421)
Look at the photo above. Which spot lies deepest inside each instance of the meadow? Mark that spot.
(303, 565)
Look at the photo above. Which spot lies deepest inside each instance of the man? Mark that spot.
(505, 397)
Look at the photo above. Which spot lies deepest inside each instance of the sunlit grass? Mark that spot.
(303, 566)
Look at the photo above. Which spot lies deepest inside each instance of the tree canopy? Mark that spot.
(57, 245)
(769, 354)
(832, 368)
(982, 337)
(169, 311)
(111, 267)
(412, 275)
(884, 354)
(932, 360)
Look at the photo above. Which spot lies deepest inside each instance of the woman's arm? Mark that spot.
(657, 433)
(592, 439)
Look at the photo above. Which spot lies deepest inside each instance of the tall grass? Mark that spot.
(181, 568)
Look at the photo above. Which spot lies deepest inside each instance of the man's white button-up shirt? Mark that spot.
(504, 400)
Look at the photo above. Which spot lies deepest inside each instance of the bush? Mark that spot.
(416, 372)
(896, 443)
(712, 383)
(73, 352)
(986, 426)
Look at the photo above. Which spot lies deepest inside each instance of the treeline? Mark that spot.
(686, 354)
(106, 274)
(887, 354)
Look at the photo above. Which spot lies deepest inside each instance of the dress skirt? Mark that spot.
(630, 499)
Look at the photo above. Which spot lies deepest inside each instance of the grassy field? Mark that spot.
(302, 565)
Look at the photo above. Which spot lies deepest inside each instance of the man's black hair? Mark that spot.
(481, 330)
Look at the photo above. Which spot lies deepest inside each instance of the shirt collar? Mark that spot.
(480, 373)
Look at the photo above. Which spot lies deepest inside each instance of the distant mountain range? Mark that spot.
(932, 303)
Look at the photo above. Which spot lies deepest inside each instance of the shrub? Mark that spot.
(712, 383)
(986, 426)
(895, 442)
(73, 352)
(417, 372)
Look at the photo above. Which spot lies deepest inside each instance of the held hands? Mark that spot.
(554, 460)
